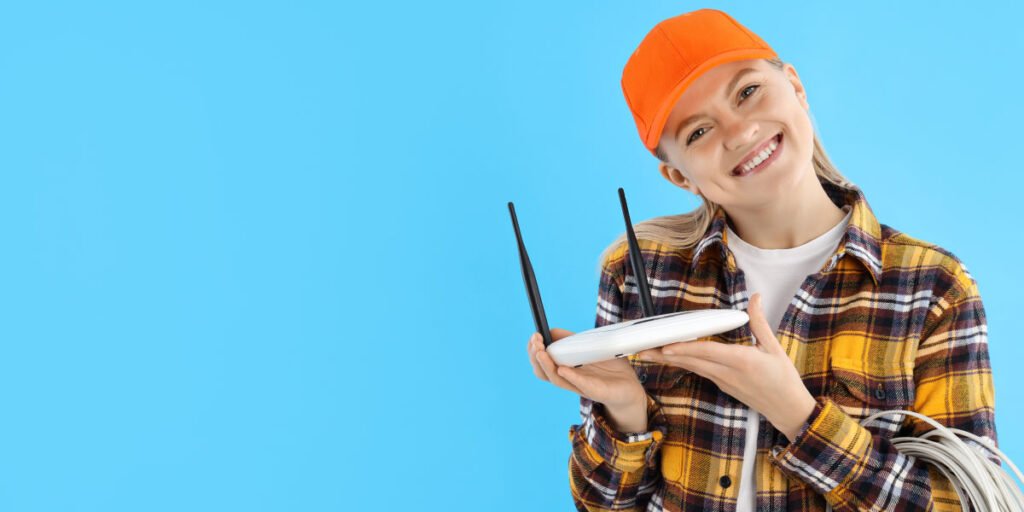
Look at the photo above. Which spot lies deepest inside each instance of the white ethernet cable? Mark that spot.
(979, 483)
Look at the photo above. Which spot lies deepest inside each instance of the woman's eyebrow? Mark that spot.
(732, 83)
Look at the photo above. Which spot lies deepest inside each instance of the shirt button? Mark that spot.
(880, 392)
(725, 481)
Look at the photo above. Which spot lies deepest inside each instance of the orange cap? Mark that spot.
(673, 54)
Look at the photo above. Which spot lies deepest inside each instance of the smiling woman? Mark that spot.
(686, 229)
(848, 316)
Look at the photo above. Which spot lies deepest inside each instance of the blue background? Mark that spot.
(257, 256)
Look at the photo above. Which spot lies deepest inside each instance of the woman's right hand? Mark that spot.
(613, 383)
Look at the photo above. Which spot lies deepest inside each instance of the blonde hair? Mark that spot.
(686, 229)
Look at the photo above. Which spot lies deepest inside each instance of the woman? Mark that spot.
(847, 316)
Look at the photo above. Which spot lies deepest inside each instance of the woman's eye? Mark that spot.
(691, 138)
(742, 97)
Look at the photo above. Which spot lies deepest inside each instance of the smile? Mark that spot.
(764, 158)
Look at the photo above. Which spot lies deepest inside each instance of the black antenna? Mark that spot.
(532, 291)
(636, 261)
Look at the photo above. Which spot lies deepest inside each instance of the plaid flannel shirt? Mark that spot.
(889, 322)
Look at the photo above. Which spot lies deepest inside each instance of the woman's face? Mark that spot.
(730, 113)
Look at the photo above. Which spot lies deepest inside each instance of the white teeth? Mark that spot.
(754, 162)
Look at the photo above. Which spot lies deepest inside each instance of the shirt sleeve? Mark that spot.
(608, 469)
(856, 470)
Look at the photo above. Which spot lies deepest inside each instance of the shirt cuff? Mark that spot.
(827, 451)
(624, 451)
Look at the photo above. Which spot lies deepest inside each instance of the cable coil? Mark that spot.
(980, 484)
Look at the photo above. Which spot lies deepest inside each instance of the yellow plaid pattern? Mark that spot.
(890, 322)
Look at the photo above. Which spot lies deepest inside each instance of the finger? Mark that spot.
(708, 350)
(686, 362)
(708, 368)
(530, 343)
(703, 367)
(536, 343)
(557, 334)
(651, 355)
(532, 347)
(550, 369)
(760, 328)
(537, 370)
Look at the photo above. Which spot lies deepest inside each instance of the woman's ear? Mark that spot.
(798, 86)
(677, 178)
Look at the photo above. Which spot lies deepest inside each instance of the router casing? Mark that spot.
(632, 336)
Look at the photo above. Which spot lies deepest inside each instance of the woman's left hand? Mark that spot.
(761, 376)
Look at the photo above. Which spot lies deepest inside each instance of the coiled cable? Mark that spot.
(980, 484)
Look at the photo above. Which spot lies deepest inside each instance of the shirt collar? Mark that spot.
(862, 238)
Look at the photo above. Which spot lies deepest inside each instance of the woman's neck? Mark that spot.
(788, 223)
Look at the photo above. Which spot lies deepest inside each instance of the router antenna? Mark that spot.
(636, 261)
(532, 291)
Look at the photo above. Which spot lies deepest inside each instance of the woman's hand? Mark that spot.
(613, 383)
(761, 376)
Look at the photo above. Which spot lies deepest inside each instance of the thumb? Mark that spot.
(759, 325)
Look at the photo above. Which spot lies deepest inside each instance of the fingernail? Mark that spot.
(668, 351)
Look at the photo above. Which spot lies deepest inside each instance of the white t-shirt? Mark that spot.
(777, 274)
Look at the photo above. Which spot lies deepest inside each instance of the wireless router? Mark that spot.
(631, 336)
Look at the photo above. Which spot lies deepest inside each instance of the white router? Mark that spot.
(631, 336)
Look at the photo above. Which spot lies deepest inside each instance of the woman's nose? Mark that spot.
(740, 134)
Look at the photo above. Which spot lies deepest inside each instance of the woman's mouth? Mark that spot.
(763, 159)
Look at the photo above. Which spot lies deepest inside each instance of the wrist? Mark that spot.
(791, 425)
(628, 417)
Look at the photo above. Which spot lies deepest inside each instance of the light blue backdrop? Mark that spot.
(257, 255)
